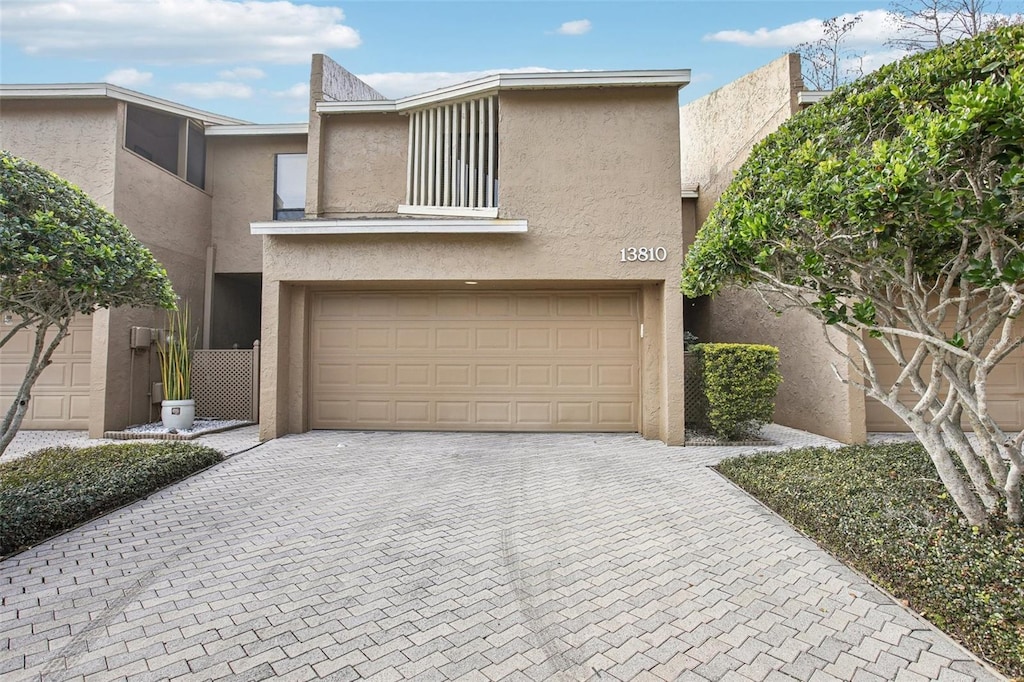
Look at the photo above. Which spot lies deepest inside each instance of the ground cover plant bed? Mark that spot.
(882, 509)
(58, 488)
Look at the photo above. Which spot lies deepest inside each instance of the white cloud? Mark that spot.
(874, 29)
(128, 78)
(242, 73)
(575, 28)
(215, 90)
(295, 99)
(402, 84)
(182, 31)
(873, 60)
(297, 91)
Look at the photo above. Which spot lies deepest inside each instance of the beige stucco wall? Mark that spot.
(364, 163)
(173, 219)
(591, 172)
(717, 132)
(240, 177)
(74, 139)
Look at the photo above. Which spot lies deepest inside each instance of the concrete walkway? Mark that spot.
(390, 556)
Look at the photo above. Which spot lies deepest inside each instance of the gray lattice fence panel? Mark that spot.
(695, 405)
(225, 383)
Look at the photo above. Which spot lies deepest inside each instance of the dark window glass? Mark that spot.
(154, 136)
(289, 186)
(195, 164)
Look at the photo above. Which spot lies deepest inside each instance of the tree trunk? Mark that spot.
(41, 354)
(966, 500)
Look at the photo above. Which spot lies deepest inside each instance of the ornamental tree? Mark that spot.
(894, 210)
(61, 254)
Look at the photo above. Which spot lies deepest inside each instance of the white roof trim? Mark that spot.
(463, 211)
(812, 96)
(517, 81)
(258, 129)
(375, 106)
(389, 226)
(96, 90)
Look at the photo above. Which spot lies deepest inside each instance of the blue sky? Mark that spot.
(250, 58)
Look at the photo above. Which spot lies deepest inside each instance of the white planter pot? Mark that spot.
(178, 414)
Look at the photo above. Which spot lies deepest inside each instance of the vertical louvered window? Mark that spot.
(453, 157)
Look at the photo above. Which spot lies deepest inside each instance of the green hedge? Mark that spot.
(883, 510)
(56, 489)
(738, 383)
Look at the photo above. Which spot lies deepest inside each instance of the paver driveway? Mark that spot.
(437, 556)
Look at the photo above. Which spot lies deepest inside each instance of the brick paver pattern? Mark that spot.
(392, 556)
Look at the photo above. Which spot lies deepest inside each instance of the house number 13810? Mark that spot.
(643, 254)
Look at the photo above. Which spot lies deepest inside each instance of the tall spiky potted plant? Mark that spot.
(178, 409)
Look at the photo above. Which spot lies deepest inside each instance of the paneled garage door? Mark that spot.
(488, 361)
(60, 398)
(1005, 393)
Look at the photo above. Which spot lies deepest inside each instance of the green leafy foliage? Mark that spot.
(61, 253)
(894, 209)
(875, 173)
(738, 384)
(56, 489)
(882, 509)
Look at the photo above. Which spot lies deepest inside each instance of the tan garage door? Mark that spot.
(1005, 399)
(488, 361)
(60, 398)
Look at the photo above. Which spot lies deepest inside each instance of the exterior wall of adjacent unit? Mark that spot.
(717, 133)
(592, 172)
(83, 141)
(240, 178)
(172, 218)
(74, 140)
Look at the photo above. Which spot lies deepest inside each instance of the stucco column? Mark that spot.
(98, 373)
(672, 367)
(273, 363)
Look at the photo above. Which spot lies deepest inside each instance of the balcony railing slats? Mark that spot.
(453, 155)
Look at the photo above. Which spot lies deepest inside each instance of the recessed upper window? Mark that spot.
(289, 186)
(167, 140)
(195, 160)
(453, 159)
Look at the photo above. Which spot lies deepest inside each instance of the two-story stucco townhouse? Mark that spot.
(499, 255)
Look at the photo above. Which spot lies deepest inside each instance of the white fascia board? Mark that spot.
(94, 90)
(389, 226)
(812, 96)
(376, 106)
(515, 81)
(258, 129)
(548, 79)
(406, 209)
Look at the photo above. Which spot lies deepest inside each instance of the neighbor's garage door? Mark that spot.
(500, 361)
(60, 398)
(1005, 393)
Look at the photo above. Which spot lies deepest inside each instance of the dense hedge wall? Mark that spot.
(883, 510)
(738, 383)
(59, 488)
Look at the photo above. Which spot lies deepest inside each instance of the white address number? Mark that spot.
(643, 254)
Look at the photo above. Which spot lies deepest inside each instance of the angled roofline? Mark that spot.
(98, 90)
(515, 81)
